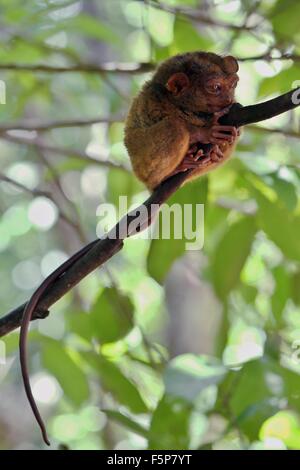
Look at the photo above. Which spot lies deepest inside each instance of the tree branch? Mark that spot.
(200, 17)
(59, 124)
(69, 152)
(269, 130)
(121, 68)
(99, 251)
(13, 182)
(268, 56)
(132, 68)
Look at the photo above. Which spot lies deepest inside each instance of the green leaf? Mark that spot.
(91, 27)
(285, 17)
(257, 392)
(80, 324)
(281, 292)
(69, 164)
(11, 341)
(11, 344)
(285, 190)
(121, 184)
(111, 315)
(164, 251)
(170, 424)
(69, 374)
(15, 15)
(249, 293)
(231, 255)
(187, 375)
(127, 422)
(250, 398)
(116, 383)
(291, 384)
(187, 38)
(284, 425)
(295, 288)
(257, 164)
(20, 51)
(278, 83)
(280, 225)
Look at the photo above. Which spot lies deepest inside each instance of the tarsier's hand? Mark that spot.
(221, 137)
(216, 134)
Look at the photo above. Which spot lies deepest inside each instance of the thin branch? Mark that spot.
(130, 69)
(107, 79)
(249, 12)
(83, 156)
(269, 56)
(121, 68)
(89, 258)
(193, 15)
(72, 222)
(37, 192)
(13, 182)
(286, 133)
(59, 124)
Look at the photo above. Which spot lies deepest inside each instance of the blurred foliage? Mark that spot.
(101, 366)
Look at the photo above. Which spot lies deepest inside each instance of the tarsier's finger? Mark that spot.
(189, 162)
(199, 154)
(226, 129)
(222, 137)
(192, 149)
(205, 161)
(216, 154)
(191, 165)
(221, 113)
(214, 157)
(220, 152)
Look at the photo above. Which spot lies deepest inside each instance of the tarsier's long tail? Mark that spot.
(27, 316)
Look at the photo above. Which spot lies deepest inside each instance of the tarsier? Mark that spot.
(167, 131)
(176, 111)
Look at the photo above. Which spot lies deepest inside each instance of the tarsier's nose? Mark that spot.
(228, 102)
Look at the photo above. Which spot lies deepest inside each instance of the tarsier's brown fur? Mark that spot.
(178, 109)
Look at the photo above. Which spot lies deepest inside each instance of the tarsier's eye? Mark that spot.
(215, 88)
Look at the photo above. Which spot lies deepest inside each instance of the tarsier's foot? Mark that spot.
(193, 159)
(216, 154)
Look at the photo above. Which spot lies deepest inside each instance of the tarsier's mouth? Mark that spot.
(222, 108)
(213, 109)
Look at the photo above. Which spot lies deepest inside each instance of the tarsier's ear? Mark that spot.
(230, 64)
(177, 83)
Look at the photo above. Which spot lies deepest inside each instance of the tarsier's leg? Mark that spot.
(222, 137)
(215, 157)
(218, 155)
(191, 160)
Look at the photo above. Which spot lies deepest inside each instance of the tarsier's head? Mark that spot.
(199, 81)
